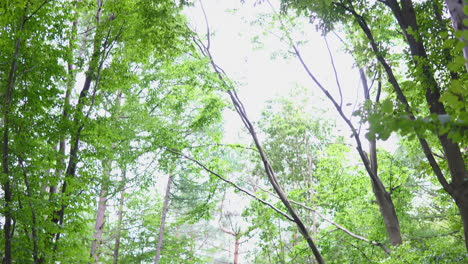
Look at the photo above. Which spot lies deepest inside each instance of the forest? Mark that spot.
(138, 131)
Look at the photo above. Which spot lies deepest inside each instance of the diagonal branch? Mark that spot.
(334, 71)
(240, 109)
(401, 97)
(233, 184)
(338, 226)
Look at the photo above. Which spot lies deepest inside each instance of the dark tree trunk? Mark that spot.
(70, 172)
(406, 17)
(6, 181)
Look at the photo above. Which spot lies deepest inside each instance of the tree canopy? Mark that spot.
(116, 145)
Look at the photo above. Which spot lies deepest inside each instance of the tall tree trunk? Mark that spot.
(384, 200)
(101, 213)
(456, 12)
(167, 198)
(6, 177)
(75, 141)
(119, 220)
(70, 84)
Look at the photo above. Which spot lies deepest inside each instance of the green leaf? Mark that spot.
(387, 106)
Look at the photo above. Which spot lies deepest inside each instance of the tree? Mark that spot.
(55, 138)
(429, 110)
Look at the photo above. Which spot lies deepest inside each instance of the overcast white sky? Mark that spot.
(261, 77)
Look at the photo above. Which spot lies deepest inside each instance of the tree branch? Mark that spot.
(233, 184)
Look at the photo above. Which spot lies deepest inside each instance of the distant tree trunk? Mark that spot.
(311, 189)
(236, 249)
(167, 198)
(119, 220)
(101, 213)
(456, 12)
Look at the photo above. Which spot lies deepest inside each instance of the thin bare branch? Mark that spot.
(330, 55)
(208, 34)
(229, 182)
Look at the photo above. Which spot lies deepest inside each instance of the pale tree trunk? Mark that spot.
(167, 198)
(236, 250)
(119, 220)
(456, 12)
(102, 206)
(231, 232)
(311, 189)
(101, 213)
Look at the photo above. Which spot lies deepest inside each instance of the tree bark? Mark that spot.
(101, 213)
(455, 8)
(167, 198)
(384, 200)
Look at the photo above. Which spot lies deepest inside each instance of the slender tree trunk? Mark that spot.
(6, 181)
(236, 249)
(167, 198)
(119, 220)
(71, 76)
(35, 239)
(456, 12)
(101, 213)
(384, 200)
(311, 189)
(74, 143)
